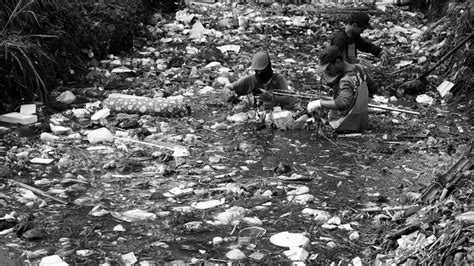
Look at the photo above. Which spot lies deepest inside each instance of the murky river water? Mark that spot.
(340, 176)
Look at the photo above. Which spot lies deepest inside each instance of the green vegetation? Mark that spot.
(26, 69)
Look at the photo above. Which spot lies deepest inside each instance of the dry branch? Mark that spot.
(381, 209)
(38, 191)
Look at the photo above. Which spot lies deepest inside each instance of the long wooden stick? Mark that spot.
(404, 231)
(314, 97)
(40, 192)
(393, 109)
(178, 150)
(164, 146)
(395, 208)
(299, 95)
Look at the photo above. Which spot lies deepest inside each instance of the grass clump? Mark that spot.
(45, 42)
(26, 70)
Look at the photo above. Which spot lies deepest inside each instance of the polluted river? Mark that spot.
(95, 183)
(239, 185)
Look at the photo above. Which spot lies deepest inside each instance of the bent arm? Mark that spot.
(329, 104)
(243, 85)
(281, 81)
(283, 86)
(340, 42)
(366, 46)
(345, 98)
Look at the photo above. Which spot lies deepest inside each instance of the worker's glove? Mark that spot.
(385, 56)
(267, 100)
(314, 106)
(227, 93)
(283, 100)
(270, 100)
(266, 97)
(315, 110)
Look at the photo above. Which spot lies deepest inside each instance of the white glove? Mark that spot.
(314, 106)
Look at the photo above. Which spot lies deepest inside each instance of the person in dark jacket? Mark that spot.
(261, 84)
(349, 41)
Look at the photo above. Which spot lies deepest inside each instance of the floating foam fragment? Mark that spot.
(28, 109)
(444, 87)
(18, 118)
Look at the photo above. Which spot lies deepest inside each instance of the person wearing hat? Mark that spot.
(260, 84)
(349, 42)
(348, 108)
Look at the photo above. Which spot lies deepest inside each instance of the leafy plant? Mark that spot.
(25, 65)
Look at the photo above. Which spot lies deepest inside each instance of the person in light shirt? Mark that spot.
(348, 108)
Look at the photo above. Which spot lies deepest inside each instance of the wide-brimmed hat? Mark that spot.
(327, 56)
(260, 61)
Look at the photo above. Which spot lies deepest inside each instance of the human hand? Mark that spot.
(266, 97)
(314, 106)
(385, 56)
(228, 93)
(266, 100)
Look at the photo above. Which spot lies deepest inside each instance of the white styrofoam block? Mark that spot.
(4, 130)
(28, 109)
(41, 161)
(53, 260)
(444, 87)
(103, 113)
(100, 135)
(18, 118)
(283, 120)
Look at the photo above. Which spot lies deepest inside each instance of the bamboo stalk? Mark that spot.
(299, 95)
(404, 231)
(295, 95)
(350, 135)
(393, 109)
(40, 192)
(290, 93)
(145, 143)
(178, 150)
(394, 208)
(309, 96)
